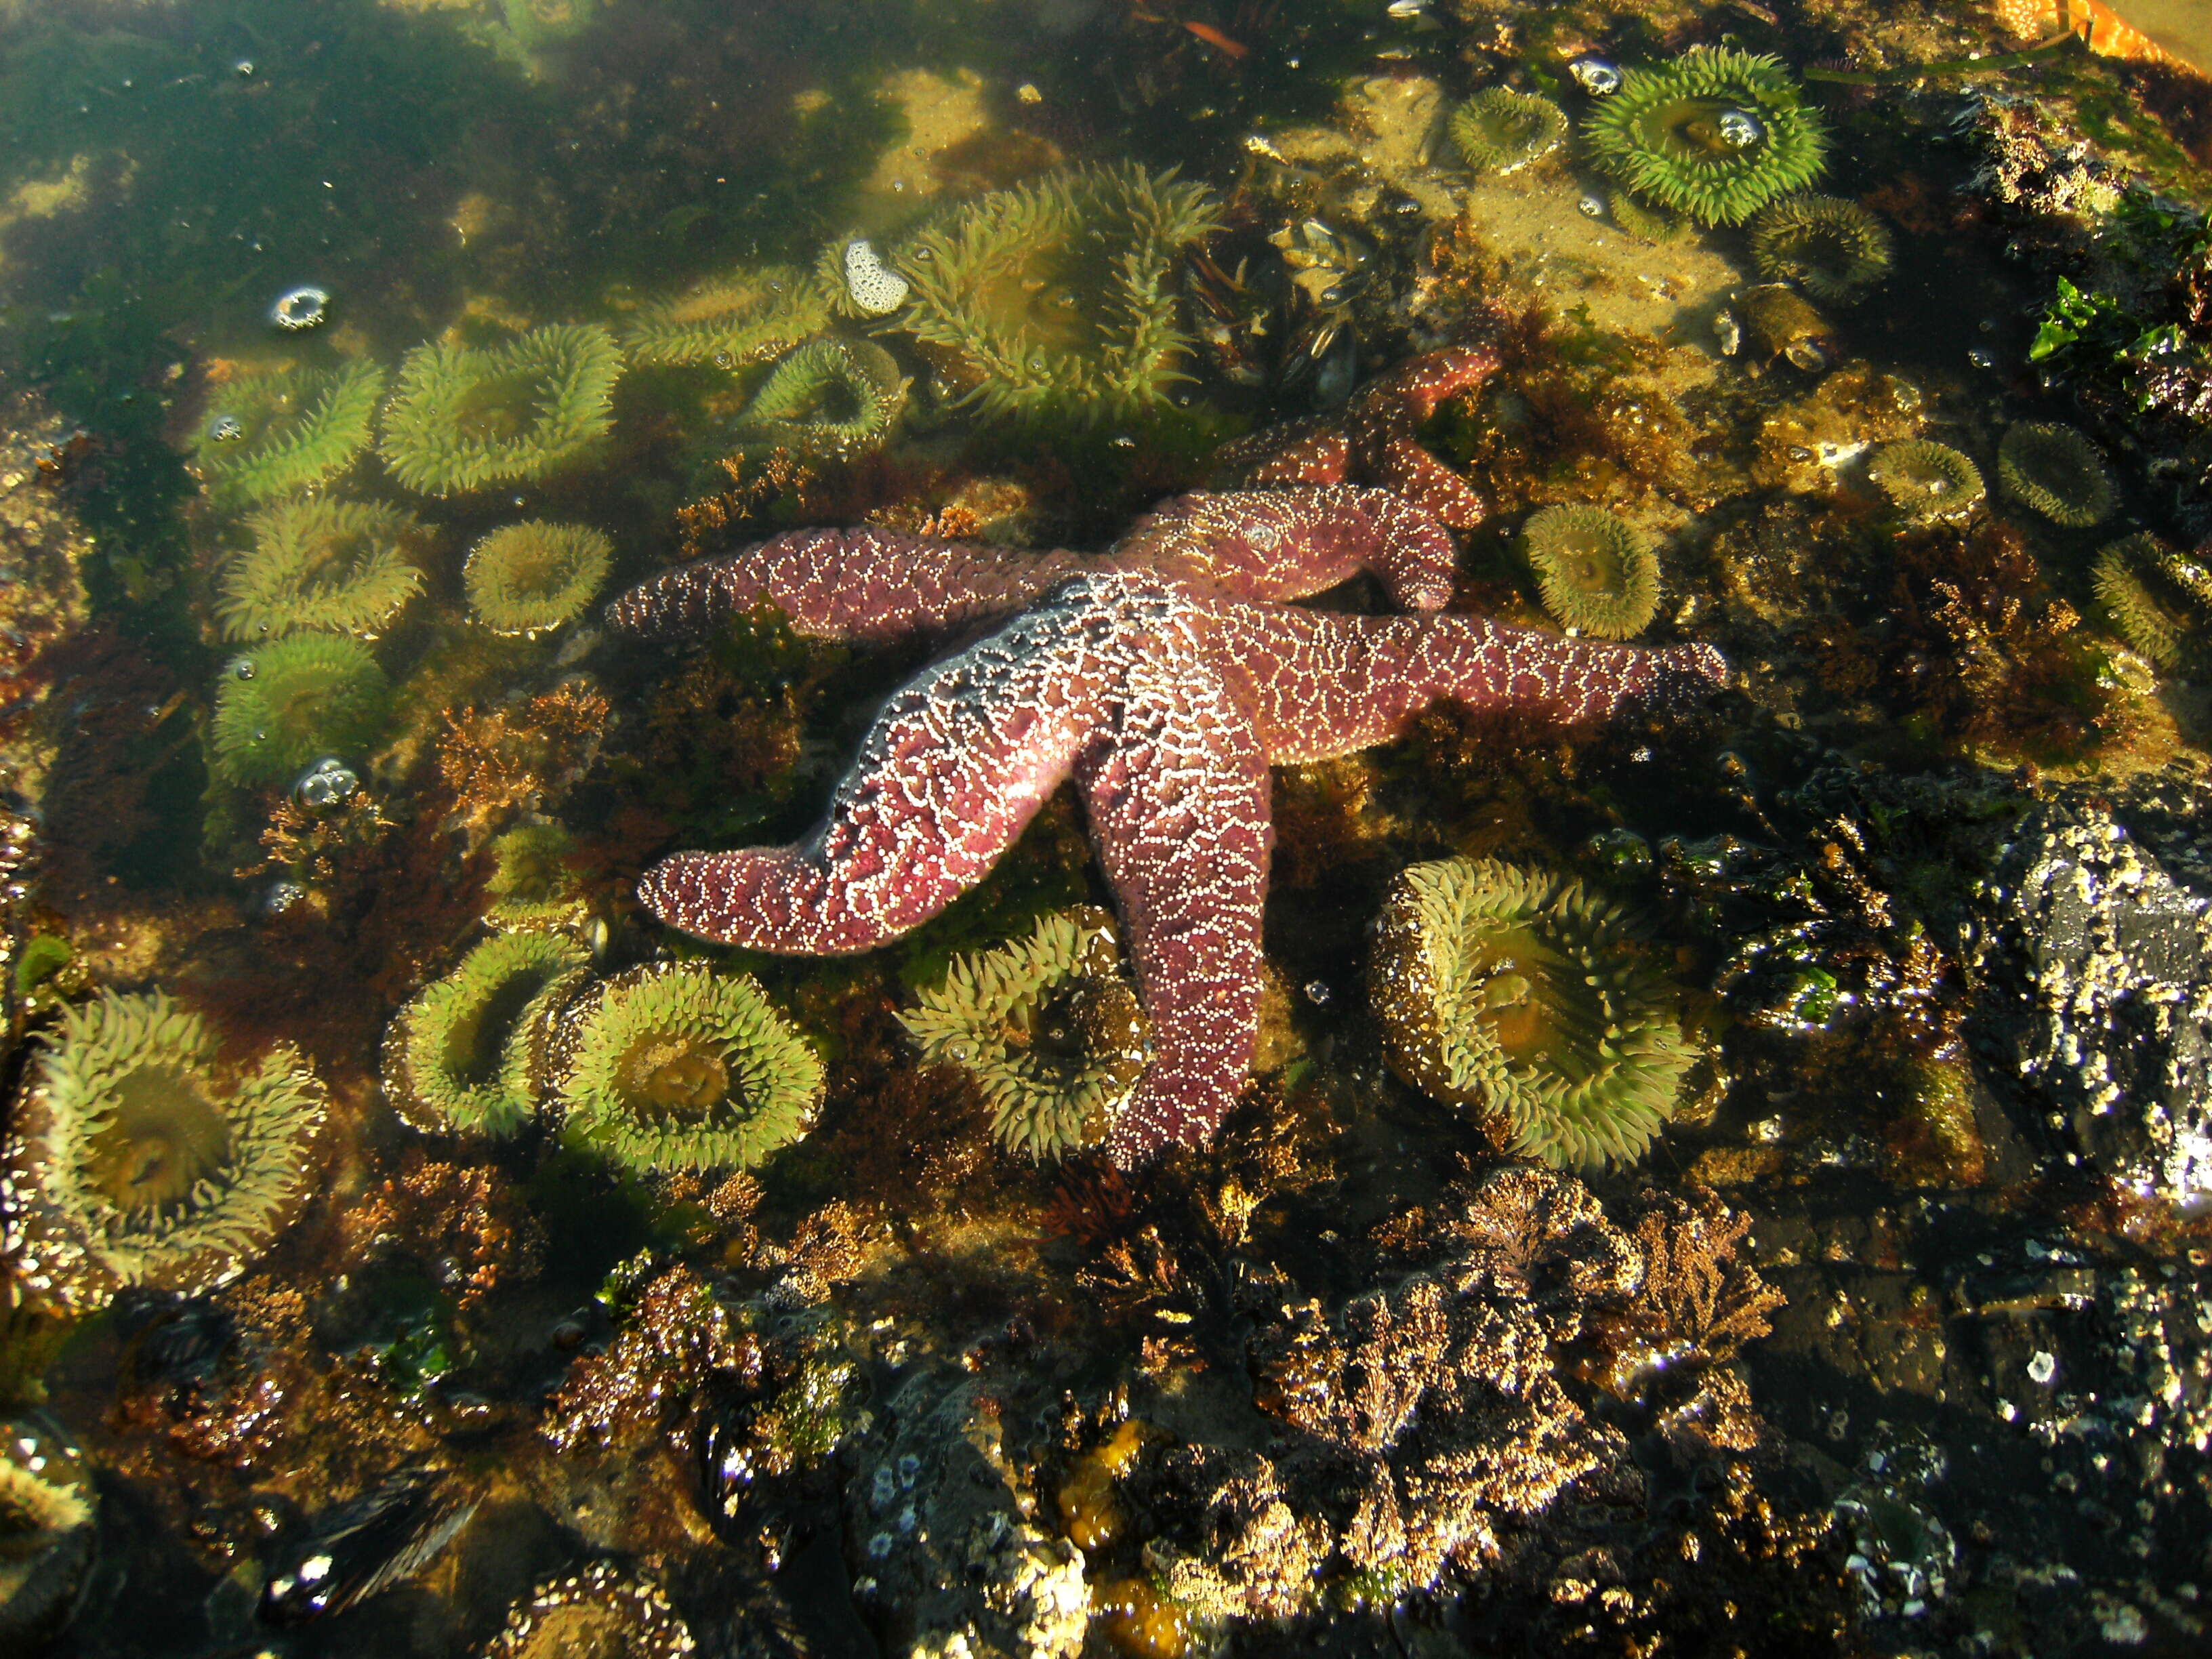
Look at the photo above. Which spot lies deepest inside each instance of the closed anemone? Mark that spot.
(601, 1612)
(1049, 1028)
(265, 433)
(1501, 131)
(294, 700)
(747, 317)
(463, 418)
(1646, 224)
(142, 1156)
(1830, 247)
(1519, 994)
(532, 884)
(676, 1067)
(2050, 468)
(531, 577)
(48, 1533)
(2136, 587)
(472, 1053)
(317, 564)
(1717, 134)
(831, 397)
(1597, 575)
(1925, 480)
(1054, 301)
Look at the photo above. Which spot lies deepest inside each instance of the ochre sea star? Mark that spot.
(1165, 678)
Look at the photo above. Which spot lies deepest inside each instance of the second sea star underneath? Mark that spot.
(1165, 685)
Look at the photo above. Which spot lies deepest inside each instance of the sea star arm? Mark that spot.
(867, 583)
(1290, 543)
(1323, 685)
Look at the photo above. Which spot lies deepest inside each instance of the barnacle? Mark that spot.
(1054, 299)
(470, 1053)
(1501, 131)
(1520, 993)
(1926, 480)
(463, 418)
(1046, 1026)
(1829, 246)
(831, 397)
(282, 704)
(2051, 469)
(528, 577)
(142, 1156)
(1597, 575)
(1715, 134)
(676, 1067)
(265, 433)
(317, 564)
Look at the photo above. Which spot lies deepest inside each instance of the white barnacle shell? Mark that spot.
(876, 288)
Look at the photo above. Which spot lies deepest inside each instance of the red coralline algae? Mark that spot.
(1165, 700)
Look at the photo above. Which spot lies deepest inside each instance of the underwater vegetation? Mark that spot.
(1054, 300)
(2157, 599)
(1501, 131)
(1597, 575)
(1715, 134)
(463, 418)
(531, 884)
(1925, 480)
(318, 565)
(294, 700)
(49, 1533)
(529, 578)
(746, 318)
(1049, 1029)
(142, 1156)
(1831, 248)
(832, 398)
(675, 1066)
(2050, 468)
(471, 1053)
(604, 1611)
(265, 433)
(1520, 995)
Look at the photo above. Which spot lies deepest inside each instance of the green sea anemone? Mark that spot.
(2051, 469)
(1518, 994)
(1047, 1027)
(2137, 587)
(264, 435)
(465, 419)
(1054, 300)
(1925, 480)
(531, 577)
(1597, 575)
(604, 1611)
(1646, 224)
(750, 316)
(831, 397)
(141, 1157)
(318, 564)
(49, 1535)
(1717, 134)
(1501, 131)
(532, 883)
(472, 1053)
(676, 1067)
(282, 704)
(1830, 247)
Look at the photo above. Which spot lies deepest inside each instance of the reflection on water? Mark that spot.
(1606, 1050)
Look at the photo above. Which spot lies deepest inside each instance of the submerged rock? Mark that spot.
(2097, 991)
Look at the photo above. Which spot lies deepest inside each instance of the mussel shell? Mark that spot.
(363, 1548)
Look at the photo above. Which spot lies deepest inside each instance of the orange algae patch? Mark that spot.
(2103, 30)
(1139, 1621)
(1089, 1513)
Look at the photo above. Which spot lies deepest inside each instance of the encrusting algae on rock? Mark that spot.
(142, 1156)
(1519, 994)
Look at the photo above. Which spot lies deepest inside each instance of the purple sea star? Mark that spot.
(1165, 678)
